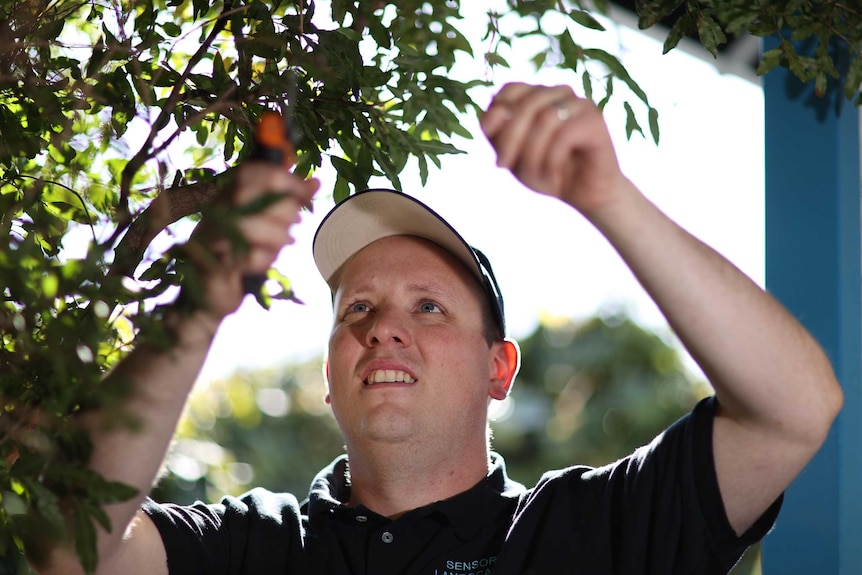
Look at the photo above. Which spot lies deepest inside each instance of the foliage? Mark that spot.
(120, 118)
(817, 41)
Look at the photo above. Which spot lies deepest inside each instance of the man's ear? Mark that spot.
(505, 361)
(326, 378)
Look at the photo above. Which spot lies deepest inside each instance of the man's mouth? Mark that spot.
(388, 376)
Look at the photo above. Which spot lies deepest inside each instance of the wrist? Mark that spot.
(191, 325)
(608, 206)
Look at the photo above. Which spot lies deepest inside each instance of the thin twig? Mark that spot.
(70, 190)
(138, 160)
(219, 104)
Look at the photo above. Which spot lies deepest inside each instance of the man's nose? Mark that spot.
(388, 327)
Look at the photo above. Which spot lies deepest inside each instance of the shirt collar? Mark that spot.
(467, 512)
(330, 489)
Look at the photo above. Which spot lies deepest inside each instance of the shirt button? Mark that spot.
(387, 537)
(361, 518)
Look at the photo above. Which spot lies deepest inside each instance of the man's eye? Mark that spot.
(358, 308)
(429, 307)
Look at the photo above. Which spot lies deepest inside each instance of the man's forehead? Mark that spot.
(415, 250)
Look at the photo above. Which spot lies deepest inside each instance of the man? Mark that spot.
(417, 351)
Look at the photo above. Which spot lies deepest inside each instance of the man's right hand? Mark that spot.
(218, 259)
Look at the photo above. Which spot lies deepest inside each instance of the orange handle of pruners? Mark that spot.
(272, 141)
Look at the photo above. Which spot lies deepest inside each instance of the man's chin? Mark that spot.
(390, 427)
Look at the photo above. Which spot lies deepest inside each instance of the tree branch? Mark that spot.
(168, 207)
(124, 217)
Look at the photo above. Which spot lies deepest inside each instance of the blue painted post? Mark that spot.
(813, 268)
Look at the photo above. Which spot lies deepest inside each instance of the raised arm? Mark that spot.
(160, 379)
(776, 392)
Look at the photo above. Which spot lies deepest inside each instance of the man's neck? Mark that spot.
(394, 479)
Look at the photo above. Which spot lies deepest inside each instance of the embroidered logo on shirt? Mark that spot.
(475, 567)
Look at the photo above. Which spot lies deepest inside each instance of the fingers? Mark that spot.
(511, 121)
(267, 231)
(255, 179)
(552, 140)
(266, 235)
(214, 248)
(555, 123)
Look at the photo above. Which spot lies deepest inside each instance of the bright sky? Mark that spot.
(707, 173)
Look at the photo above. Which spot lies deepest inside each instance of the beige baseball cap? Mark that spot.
(370, 215)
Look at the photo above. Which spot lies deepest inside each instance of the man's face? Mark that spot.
(408, 361)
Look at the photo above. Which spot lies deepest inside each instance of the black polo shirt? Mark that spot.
(657, 511)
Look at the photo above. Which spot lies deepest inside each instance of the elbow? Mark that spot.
(830, 402)
(835, 402)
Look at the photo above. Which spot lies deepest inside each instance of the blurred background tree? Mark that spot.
(120, 118)
(588, 392)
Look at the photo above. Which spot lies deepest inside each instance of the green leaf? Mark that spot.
(374, 77)
(350, 34)
(539, 59)
(587, 82)
(609, 91)
(230, 141)
(632, 125)
(436, 147)
(585, 19)
(423, 169)
(339, 10)
(494, 59)
(653, 125)
(51, 30)
(46, 502)
(114, 492)
(797, 65)
(683, 26)
(346, 170)
(617, 69)
(805, 30)
(769, 60)
(341, 189)
(820, 85)
(572, 53)
(97, 60)
(171, 29)
(710, 33)
(285, 288)
(12, 503)
(85, 538)
(98, 514)
(854, 77)
(201, 133)
(380, 34)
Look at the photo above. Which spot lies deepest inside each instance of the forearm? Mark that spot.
(766, 369)
(129, 442)
(159, 381)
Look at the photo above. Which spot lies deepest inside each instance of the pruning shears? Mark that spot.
(275, 140)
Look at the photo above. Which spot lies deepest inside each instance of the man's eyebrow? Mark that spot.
(429, 288)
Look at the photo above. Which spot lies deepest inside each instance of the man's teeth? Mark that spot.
(389, 376)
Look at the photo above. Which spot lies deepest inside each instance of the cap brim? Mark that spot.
(370, 215)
